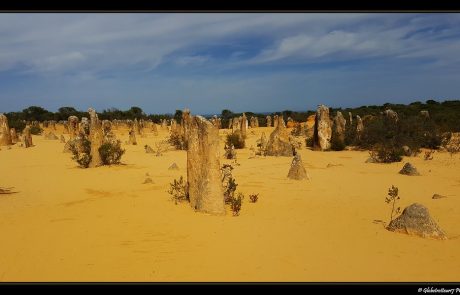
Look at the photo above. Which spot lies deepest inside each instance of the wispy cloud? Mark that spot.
(97, 51)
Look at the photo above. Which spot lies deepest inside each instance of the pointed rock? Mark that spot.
(297, 170)
(416, 220)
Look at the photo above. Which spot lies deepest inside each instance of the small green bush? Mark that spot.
(35, 130)
(236, 203)
(236, 140)
(178, 141)
(386, 154)
(179, 190)
(111, 153)
(393, 198)
(337, 144)
(81, 150)
(18, 125)
(253, 198)
(229, 192)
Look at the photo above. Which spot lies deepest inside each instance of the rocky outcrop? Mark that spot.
(323, 131)
(203, 166)
(390, 114)
(408, 169)
(27, 137)
(339, 128)
(297, 170)
(96, 136)
(73, 127)
(359, 127)
(278, 143)
(416, 220)
(5, 135)
(14, 136)
(269, 121)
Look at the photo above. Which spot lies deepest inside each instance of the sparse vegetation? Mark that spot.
(386, 154)
(178, 141)
(428, 155)
(253, 198)
(392, 199)
(337, 144)
(36, 130)
(236, 140)
(179, 190)
(161, 147)
(111, 152)
(236, 203)
(81, 150)
(297, 130)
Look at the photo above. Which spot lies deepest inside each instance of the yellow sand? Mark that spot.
(103, 224)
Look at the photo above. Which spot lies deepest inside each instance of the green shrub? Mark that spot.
(229, 192)
(81, 150)
(253, 198)
(111, 153)
(179, 190)
(386, 154)
(236, 140)
(236, 203)
(36, 130)
(178, 141)
(337, 144)
(19, 125)
(393, 198)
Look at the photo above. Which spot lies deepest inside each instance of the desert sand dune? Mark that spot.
(104, 224)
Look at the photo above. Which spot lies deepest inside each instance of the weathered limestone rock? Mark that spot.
(51, 136)
(416, 220)
(154, 129)
(275, 121)
(73, 127)
(96, 137)
(391, 115)
(351, 118)
(262, 145)
(425, 114)
(173, 167)
(339, 127)
(297, 170)
(230, 123)
(407, 151)
(132, 137)
(278, 143)
(323, 131)
(14, 135)
(85, 125)
(269, 121)
(244, 125)
(106, 126)
(27, 137)
(452, 142)
(148, 149)
(252, 152)
(410, 170)
(359, 126)
(5, 135)
(62, 138)
(203, 167)
(236, 125)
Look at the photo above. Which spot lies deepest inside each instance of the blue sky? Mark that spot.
(256, 62)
